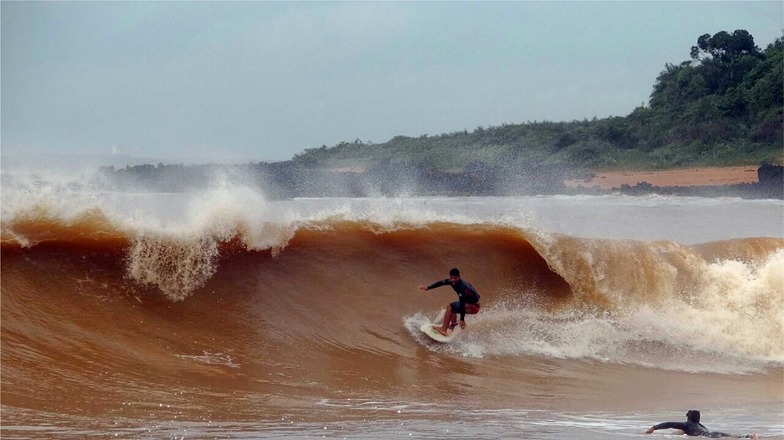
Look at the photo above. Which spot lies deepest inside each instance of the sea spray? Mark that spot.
(180, 258)
(176, 267)
(740, 305)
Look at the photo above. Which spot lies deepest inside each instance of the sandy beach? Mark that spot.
(676, 177)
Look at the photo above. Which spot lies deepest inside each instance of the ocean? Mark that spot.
(221, 314)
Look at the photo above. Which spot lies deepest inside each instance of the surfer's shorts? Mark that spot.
(470, 309)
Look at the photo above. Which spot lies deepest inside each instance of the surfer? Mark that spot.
(468, 301)
(693, 427)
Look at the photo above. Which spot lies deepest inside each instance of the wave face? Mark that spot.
(117, 297)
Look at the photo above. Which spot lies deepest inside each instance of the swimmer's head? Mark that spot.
(693, 416)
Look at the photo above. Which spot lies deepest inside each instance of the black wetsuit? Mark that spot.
(692, 428)
(465, 293)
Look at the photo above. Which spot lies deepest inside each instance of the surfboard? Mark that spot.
(437, 336)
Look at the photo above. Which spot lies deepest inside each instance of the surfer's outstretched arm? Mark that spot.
(438, 283)
(694, 429)
(669, 425)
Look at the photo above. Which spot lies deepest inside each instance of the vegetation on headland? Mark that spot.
(723, 107)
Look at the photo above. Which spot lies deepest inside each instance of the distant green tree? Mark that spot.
(725, 58)
(725, 46)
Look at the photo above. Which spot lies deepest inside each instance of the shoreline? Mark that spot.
(286, 180)
(686, 177)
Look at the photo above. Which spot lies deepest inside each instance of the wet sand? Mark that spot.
(675, 177)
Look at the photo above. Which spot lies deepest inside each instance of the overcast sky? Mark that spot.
(262, 81)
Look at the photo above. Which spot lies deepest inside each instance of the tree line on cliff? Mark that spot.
(723, 106)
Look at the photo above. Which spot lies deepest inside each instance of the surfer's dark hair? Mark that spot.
(693, 416)
(454, 272)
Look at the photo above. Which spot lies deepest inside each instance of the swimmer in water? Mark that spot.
(693, 427)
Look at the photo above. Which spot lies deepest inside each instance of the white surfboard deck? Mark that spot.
(437, 336)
